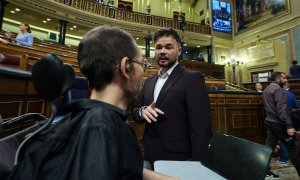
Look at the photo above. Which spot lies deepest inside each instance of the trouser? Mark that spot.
(284, 155)
(276, 131)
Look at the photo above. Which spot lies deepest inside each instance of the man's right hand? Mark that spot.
(150, 113)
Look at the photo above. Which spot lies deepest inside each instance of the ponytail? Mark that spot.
(28, 28)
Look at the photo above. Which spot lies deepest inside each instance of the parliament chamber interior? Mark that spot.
(240, 43)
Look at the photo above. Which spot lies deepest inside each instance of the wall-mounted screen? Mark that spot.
(221, 16)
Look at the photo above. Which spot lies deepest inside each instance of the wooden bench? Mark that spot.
(31, 60)
(10, 60)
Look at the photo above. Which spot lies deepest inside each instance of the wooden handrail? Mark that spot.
(136, 17)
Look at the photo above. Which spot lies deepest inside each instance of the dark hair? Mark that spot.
(167, 32)
(275, 75)
(294, 62)
(28, 27)
(100, 51)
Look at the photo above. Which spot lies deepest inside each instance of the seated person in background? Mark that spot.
(258, 87)
(295, 70)
(200, 57)
(25, 38)
(94, 141)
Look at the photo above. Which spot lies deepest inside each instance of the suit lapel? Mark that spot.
(175, 75)
(151, 86)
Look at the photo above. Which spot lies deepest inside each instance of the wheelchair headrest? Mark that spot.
(51, 77)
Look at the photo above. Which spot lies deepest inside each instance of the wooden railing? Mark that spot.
(294, 86)
(212, 70)
(234, 87)
(136, 17)
(32, 54)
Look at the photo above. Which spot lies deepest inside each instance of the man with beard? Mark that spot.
(278, 122)
(258, 87)
(93, 141)
(175, 106)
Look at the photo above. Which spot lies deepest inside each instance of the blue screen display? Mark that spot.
(221, 16)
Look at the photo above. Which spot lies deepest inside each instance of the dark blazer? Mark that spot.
(184, 131)
(295, 72)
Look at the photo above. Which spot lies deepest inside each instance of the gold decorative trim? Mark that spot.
(271, 64)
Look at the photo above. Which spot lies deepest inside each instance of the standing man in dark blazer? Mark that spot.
(295, 70)
(175, 106)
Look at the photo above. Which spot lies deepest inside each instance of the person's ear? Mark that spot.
(129, 68)
(125, 67)
(179, 52)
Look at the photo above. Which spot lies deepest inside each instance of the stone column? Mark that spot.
(209, 61)
(3, 3)
(62, 32)
(147, 50)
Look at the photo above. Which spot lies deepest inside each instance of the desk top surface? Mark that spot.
(186, 170)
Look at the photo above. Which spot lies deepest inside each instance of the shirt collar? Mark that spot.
(167, 74)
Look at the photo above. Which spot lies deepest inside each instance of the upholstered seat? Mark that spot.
(79, 89)
(10, 60)
(235, 158)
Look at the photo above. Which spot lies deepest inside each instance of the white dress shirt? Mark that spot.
(162, 78)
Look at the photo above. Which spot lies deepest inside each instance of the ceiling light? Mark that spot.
(186, 52)
(48, 19)
(17, 9)
(13, 12)
(71, 28)
(137, 38)
(198, 46)
(184, 44)
(74, 26)
(44, 21)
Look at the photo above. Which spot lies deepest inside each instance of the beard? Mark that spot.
(132, 92)
(281, 84)
(167, 65)
(131, 98)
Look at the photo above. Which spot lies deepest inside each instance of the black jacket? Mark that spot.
(93, 142)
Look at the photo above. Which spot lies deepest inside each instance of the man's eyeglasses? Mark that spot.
(144, 64)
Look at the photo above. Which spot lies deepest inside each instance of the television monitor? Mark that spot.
(52, 36)
(221, 16)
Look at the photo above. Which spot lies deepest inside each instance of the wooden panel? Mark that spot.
(221, 119)
(10, 109)
(17, 96)
(239, 114)
(214, 115)
(231, 101)
(35, 106)
(213, 100)
(212, 70)
(7, 85)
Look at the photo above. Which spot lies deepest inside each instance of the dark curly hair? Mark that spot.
(167, 32)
